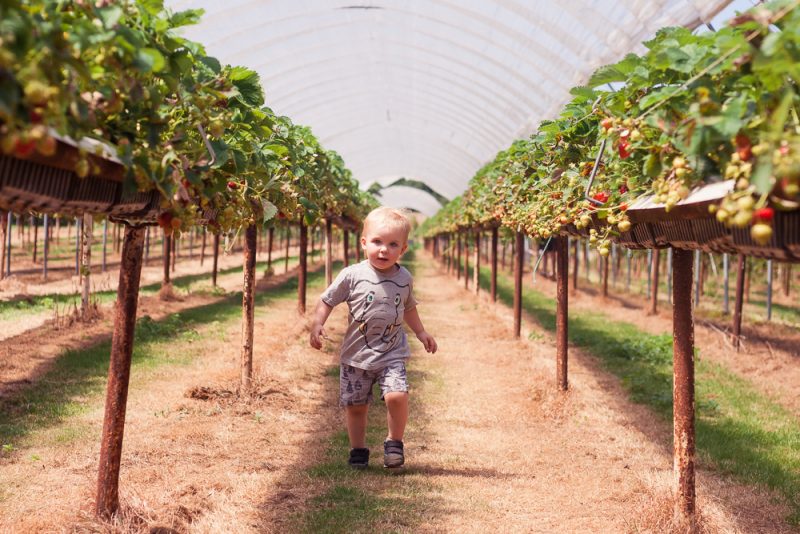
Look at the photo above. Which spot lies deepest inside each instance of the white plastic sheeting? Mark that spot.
(429, 90)
(401, 196)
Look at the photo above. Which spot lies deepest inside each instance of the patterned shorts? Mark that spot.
(355, 385)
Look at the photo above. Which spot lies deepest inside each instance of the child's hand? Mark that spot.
(427, 341)
(317, 335)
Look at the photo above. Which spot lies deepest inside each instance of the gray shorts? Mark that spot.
(355, 385)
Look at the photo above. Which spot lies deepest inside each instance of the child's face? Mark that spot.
(383, 245)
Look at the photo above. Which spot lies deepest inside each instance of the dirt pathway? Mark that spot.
(505, 452)
(491, 447)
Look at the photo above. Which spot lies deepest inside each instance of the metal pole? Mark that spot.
(683, 388)
(649, 277)
(466, 260)
(346, 247)
(576, 243)
(586, 253)
(167, 245)
(495, 237)
(78, 227)
(215, 261)
(301, 275)
(696, 278)
(146, 245)
(286, 255)
(628, 271)
(725, 289)
(654, 268)
(604, 264)
(119, 370)
(87, 228)
(35, 224)
(270, 239)
(105, 242)
(248, 308)
(769, 290)
(669, 275)
(458, 257)
(562, 304)
(203, 246)
(477, 270)
(614, 253)
(737, 310)
(519, 259)
(46, 251)
(328, 251)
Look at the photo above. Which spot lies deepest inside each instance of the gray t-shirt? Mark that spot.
(375, 335)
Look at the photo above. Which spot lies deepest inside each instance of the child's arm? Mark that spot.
(321, 314)
(415, 323)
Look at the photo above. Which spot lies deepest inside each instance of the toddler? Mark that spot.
(379, 297)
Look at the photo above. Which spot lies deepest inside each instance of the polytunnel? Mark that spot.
(428, 90)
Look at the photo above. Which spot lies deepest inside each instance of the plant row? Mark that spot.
(694, 109)
(179, 121)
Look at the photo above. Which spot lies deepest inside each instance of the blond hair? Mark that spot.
(392, 217)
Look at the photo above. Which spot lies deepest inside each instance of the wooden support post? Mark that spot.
(286, 256)
(270, 239)
(605, 264)
(519, 259)
(466, 260)
(458, 256)
(576, 242)
(146, 245)
(683, 388)
(46, 246)
(495, 236)
(769, 290)
(174, 243)
(346, 247)
(303, 271)
(5, 229)
(328, 252)
(248, 307)
(203, 246)
(119, 370)
(35, 223)
(654, 274)
(476, 272)
(739, 302)
(77, 246)
(787, 278)
(86, 263)
(215, 260)
(357, 243)
(726, 269)
(167, 247)
(105, 243)
(562, 306)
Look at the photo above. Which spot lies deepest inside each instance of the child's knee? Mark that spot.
(396, 396)
(357, 409)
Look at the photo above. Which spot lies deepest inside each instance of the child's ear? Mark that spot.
(363, 241)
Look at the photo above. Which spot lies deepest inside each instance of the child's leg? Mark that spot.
(357, 425)
(396, 413)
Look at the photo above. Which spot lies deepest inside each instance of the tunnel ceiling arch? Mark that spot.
(431, 89)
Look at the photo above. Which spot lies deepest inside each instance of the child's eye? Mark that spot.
(397, 300)
(370, 297)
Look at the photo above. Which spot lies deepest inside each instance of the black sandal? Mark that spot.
(359, 458)
(393, 453)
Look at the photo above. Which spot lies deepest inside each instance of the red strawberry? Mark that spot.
(763, 215)
(624, 149)
(744, 147)
(602, 196)
(607, 123)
